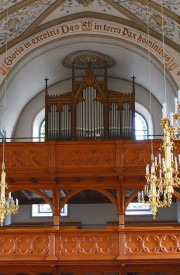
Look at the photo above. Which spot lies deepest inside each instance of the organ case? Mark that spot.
(90, 111)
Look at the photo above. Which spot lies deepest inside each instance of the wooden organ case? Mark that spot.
(90, 111)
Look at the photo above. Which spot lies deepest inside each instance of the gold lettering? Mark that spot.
(4, 70)
(86, 25)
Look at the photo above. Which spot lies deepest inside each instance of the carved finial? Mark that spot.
(73, 64)
(133, 87)
(46, 84)
(46, 81)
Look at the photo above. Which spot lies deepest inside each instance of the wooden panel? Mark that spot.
(87, 245)
(154, 244)
(26, 157)
(86, 156)
(23, 245)
(138, 153)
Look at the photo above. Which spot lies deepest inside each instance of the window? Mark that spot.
(140, 127)
(137, 208)
(42, 131)
(44, 210)
(37, 124)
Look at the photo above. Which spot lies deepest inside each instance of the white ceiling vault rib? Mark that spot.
(68, 9)
(23, 20)
(145, 16)
(172, 6)
(6, 4)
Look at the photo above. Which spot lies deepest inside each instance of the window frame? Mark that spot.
(145, 136)
(35, 213)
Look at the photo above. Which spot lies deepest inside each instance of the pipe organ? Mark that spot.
(90, 111)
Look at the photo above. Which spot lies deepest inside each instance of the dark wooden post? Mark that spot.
(133, 108)
(46, 108)
(73, 111)
(56, 201)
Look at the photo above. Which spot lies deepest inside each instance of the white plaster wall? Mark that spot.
(95, 215)
(24, 127)
(164, 214)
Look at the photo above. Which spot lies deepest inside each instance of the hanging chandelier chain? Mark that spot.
(163, 46)
(149, 73)
(7, 205)
(162, 176)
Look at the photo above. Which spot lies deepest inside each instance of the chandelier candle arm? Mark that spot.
(162, 175)
(7, 205)
(179, 95)
(176, 105)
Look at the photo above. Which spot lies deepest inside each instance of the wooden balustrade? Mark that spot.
(128, 245)
(80, 157)
(102, 164)
(123, 243)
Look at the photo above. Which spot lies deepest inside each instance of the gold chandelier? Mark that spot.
(7, 205)
(162, 175)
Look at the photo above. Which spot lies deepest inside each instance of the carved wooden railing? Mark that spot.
(99, 165)
(78, 157)
(121, 245)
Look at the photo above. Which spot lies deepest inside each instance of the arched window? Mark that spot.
(42, 131)
(141, 129)
(37, 125)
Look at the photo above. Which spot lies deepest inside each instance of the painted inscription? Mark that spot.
(90, 26)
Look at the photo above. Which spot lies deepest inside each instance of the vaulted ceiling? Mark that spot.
(36, 36)
(21, 19)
